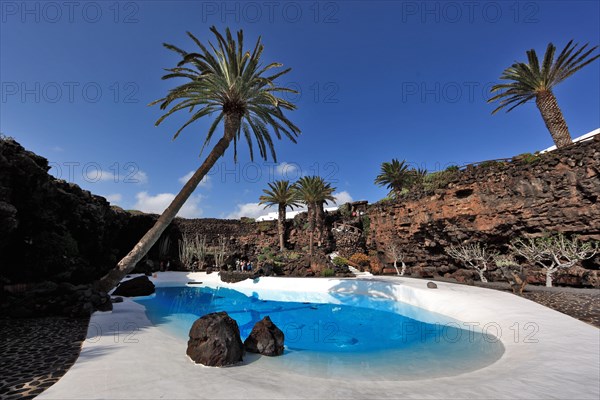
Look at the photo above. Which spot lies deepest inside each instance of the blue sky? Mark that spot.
(377, 80)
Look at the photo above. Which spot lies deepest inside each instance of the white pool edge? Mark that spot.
(547, 354)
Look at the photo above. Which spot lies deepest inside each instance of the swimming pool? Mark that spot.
(359, 335)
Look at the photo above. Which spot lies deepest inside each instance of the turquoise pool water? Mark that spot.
(370, 340)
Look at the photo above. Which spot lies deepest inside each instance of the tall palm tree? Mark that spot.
(395, 176)
(315, 192)
(531, 81)
(324, 196)
(284, 195)
(232, 84)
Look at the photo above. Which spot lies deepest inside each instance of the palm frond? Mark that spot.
(529, 79)
(224, 79)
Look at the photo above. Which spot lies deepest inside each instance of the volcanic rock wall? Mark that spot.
(49, 228)
(53, 230)
(243, 237)
(247, 238)
(494, 203)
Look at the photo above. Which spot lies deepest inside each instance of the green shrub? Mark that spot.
(440, 179)
(267, 251)
(267, 254)
(366, 224)
(293, 255)
(327, 272)
(491, 164)
(265, 226)
(344, 211)
(527, 158)
(340, 261)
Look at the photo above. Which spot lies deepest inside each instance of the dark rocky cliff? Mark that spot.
(493, 203)
(51, 230)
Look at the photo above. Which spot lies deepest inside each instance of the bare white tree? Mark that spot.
(200, 249)
(220, 251)
(397, 255)
(554, 252)
(192, 248)
(186, 250)
(474, 255)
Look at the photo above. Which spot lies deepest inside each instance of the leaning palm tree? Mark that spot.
(531, 81)
(395, 176)
(284, 195)
(314, 192)
(225, 81)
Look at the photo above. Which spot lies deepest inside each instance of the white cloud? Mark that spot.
(114, 198)
(158, 203)
(250, 210)
(342, 198)
(290, 171)
(102, 175)
(205, 182)
(138, 177)
(58, 149)
(95, 175)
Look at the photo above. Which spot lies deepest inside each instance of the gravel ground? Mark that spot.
(583, 304)
(36, 352)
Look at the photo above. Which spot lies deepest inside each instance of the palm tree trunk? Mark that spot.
(281, 227)
(553, 117)
(311, 227)
(128, 263)
(319, 222)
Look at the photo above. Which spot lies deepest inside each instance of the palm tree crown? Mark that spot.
(395, 176)
(284, 195)
(280, 193)
(232, 84)
(314, 192)
(533, 80)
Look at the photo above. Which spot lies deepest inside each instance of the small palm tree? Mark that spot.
(314, 192)
(418, 177)
(284, 195)
(395, 176)
(230, 83)
(531, 81)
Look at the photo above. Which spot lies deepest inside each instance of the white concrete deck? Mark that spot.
(556, 356)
